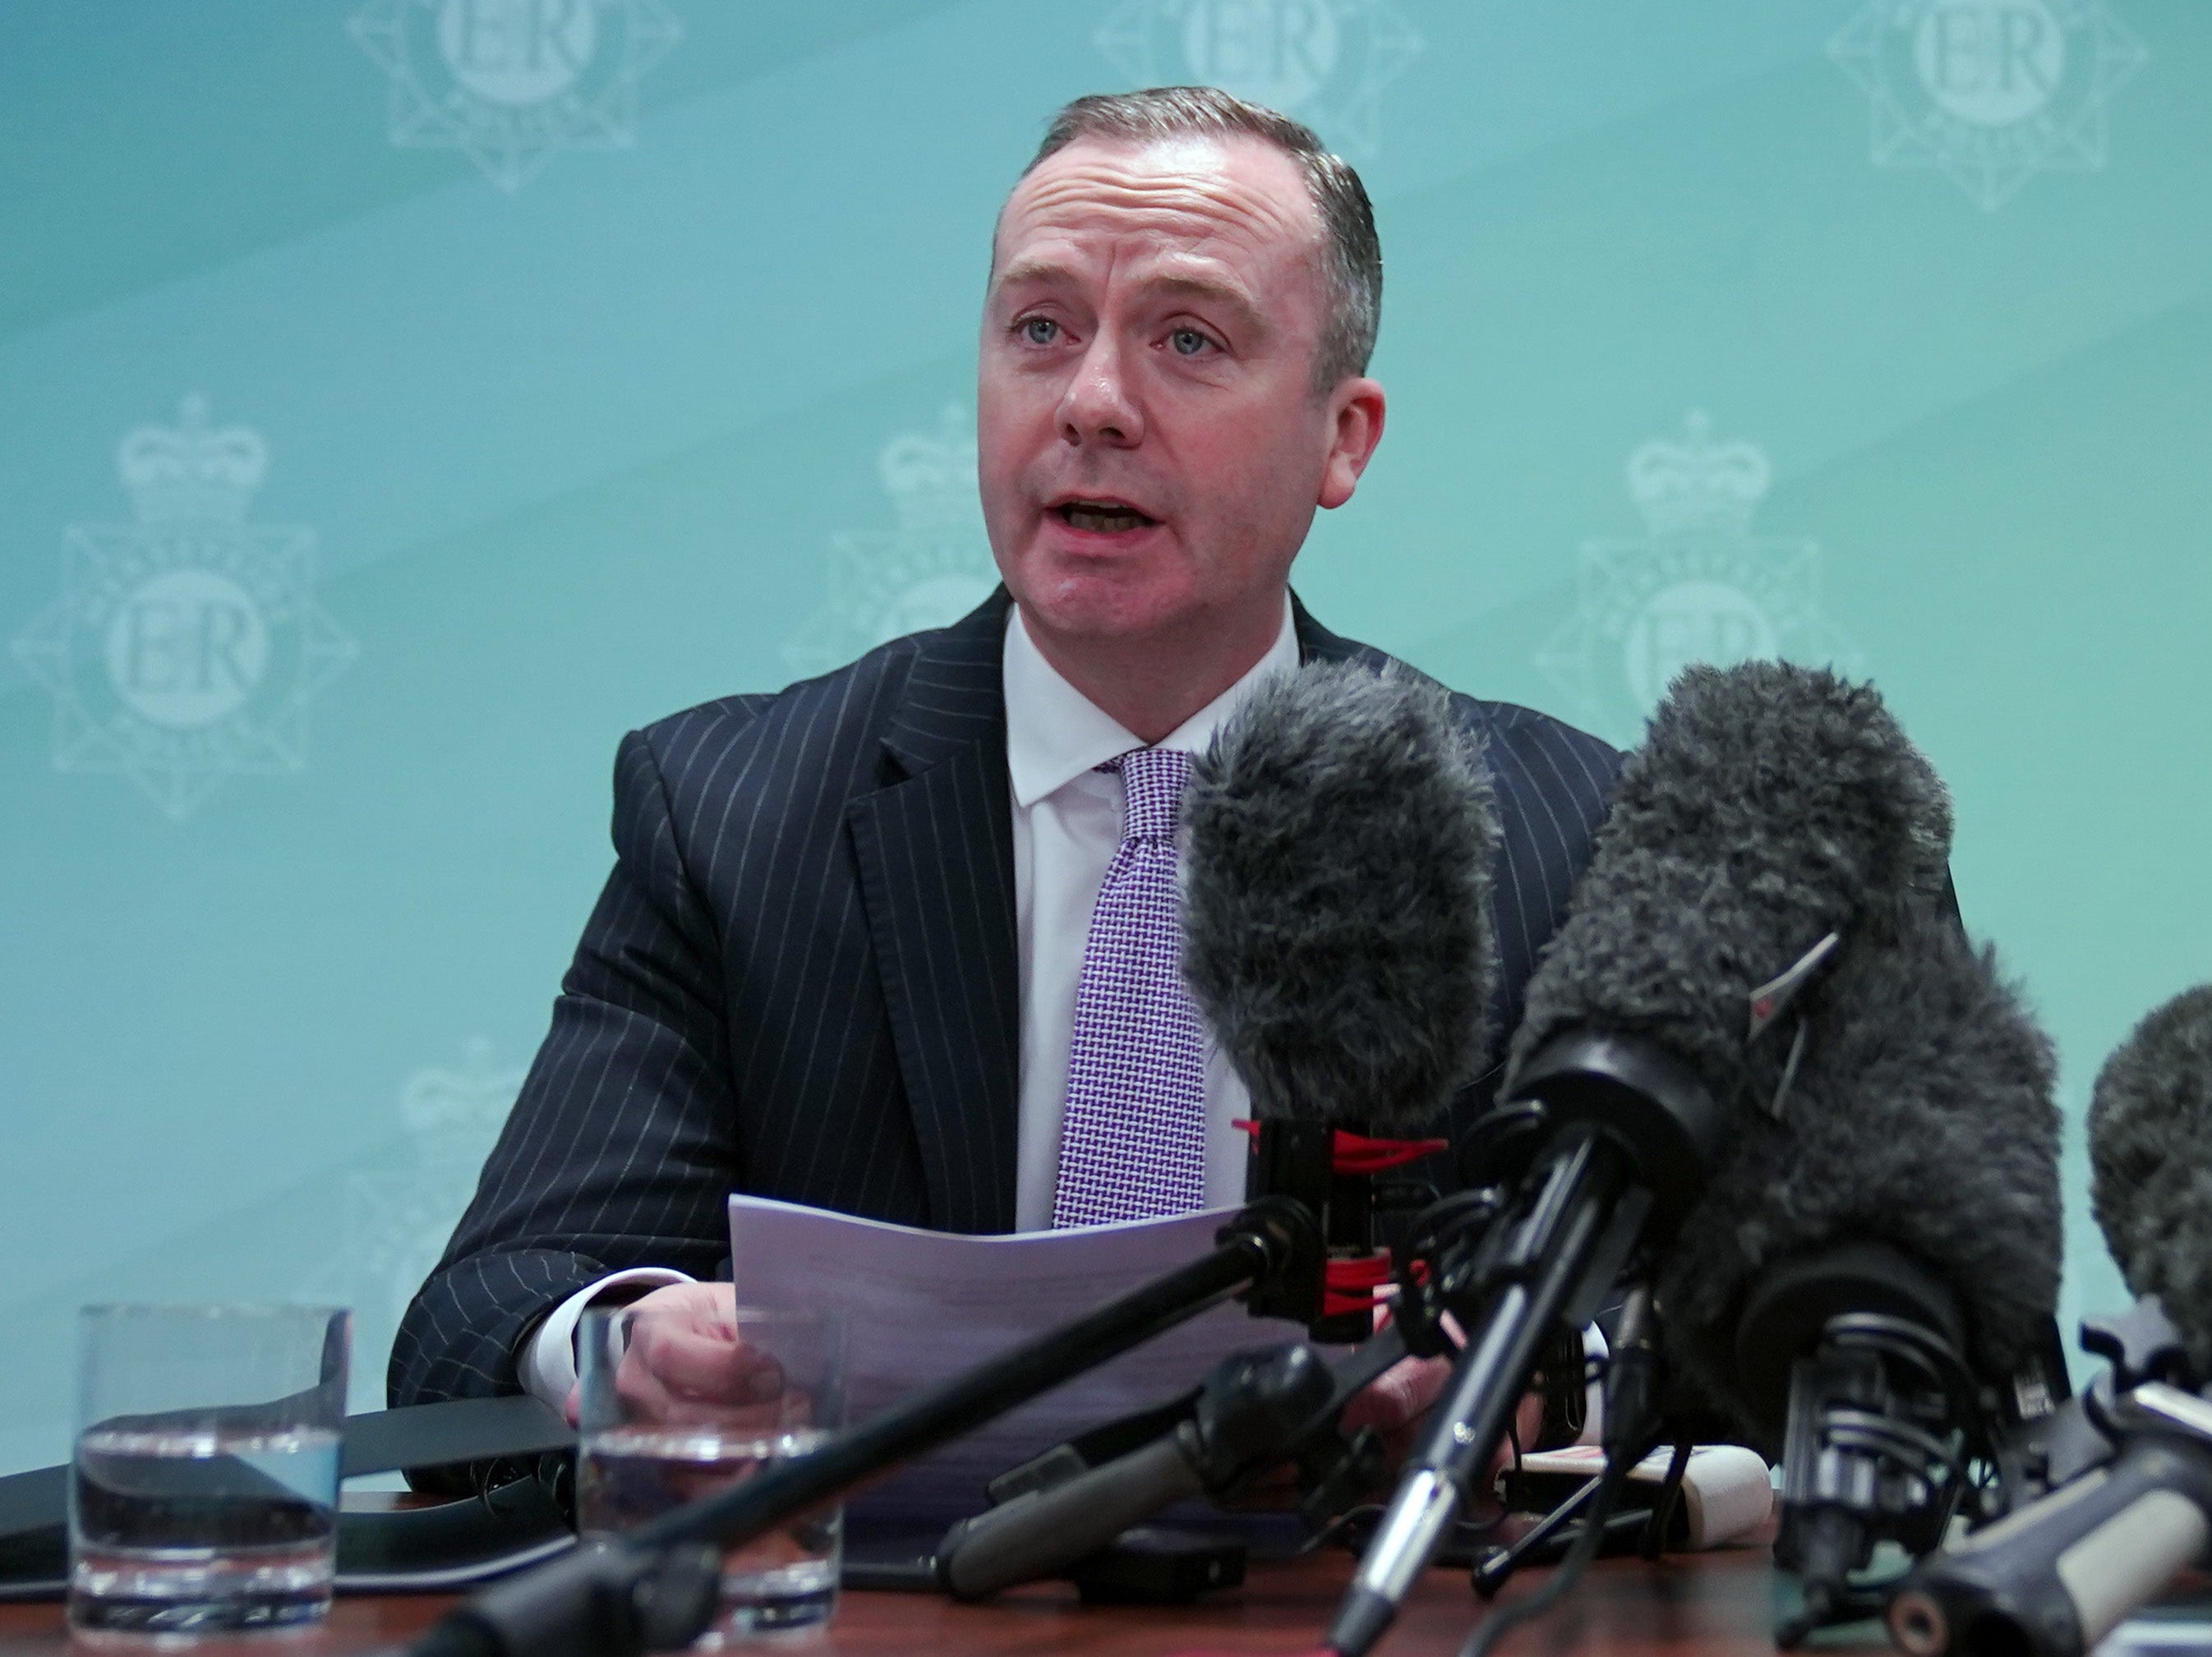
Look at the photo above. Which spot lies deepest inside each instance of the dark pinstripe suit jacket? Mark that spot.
(801, 981)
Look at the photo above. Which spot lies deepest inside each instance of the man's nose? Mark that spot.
(1100, 405)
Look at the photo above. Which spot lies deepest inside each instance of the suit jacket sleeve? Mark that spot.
(620, 1149)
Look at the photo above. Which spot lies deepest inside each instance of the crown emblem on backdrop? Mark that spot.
(442, 1107)
(509, 83)
(191, 471)
(1697, 483)
(931, 477)
(1988, 92)
(1698, 586)
(1324, 61)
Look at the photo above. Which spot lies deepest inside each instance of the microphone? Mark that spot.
(1340, 817)
(1774, 818)
(1881, 1244)
(1339, 838)
(1340, 834)
(1341, 829)
(2052, 1578)
(1255, 1410)
(1873, 1297)
(2149, 1116)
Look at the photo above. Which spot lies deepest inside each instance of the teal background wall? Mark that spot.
(564, 362)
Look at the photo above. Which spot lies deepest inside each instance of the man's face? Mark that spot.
(1151, 445)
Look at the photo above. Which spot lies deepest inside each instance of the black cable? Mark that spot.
(1670, 1497)
(1587, 1540)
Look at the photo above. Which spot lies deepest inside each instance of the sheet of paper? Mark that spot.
(923, 1305)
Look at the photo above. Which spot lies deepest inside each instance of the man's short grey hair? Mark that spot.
(1351, 260)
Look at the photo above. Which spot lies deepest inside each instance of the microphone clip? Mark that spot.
(1333, 1271)
(1774, 998)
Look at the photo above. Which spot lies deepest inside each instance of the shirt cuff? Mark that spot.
(548, 1363)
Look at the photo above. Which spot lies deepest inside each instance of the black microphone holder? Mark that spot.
(1857, 1348)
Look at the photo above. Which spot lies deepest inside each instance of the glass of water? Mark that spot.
(646, 1445)
(203, 1490)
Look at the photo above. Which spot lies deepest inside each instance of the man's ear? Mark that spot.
(1355, 427)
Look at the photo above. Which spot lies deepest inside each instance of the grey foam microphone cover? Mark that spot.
(1923, 1117)
(1340, 837)
(2150, 1163)
(1770, 805)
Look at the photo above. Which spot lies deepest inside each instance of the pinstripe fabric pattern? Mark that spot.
(801, 981)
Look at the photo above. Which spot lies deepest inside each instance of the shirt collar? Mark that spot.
(1054, 733)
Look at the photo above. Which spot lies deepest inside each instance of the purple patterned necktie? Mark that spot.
(1132, 1144)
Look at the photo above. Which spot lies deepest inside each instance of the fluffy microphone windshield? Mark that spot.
(1770, 805)
(1336, 878)
(1923, 1117)
(2150, 1163)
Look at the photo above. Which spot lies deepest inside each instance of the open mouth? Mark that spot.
(1102, 516)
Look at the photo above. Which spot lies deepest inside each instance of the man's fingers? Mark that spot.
(643, 1398)
(708, 1367)
(684, 1366)
(1399, 1393)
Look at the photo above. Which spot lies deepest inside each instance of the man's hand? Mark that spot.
(684, 1366)
(1399, 1398)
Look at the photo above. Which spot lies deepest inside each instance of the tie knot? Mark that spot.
(1154, 778)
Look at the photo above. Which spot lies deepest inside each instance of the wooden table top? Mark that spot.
(1720, 1603)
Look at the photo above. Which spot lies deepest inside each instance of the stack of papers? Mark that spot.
(920, 1306)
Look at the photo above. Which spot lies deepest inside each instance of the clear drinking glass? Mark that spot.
(204, 1487)
(639, 1455)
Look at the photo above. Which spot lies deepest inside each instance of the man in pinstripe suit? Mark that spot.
(836, 961)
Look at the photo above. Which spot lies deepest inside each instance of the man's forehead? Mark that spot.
(1189, 199)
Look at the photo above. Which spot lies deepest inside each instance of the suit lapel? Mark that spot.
(935, 850)
(1317, 644)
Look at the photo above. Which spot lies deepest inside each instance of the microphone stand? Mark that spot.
(1627, 1134)
(617, 1598)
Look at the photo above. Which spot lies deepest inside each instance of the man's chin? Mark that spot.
(1104, 611)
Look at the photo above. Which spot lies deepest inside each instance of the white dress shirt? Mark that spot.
(1067, 826)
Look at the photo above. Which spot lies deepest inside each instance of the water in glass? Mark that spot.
(785, 1580)
(189, 1533)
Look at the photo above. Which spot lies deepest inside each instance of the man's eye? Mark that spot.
(1040, 331)
(1189, 341)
